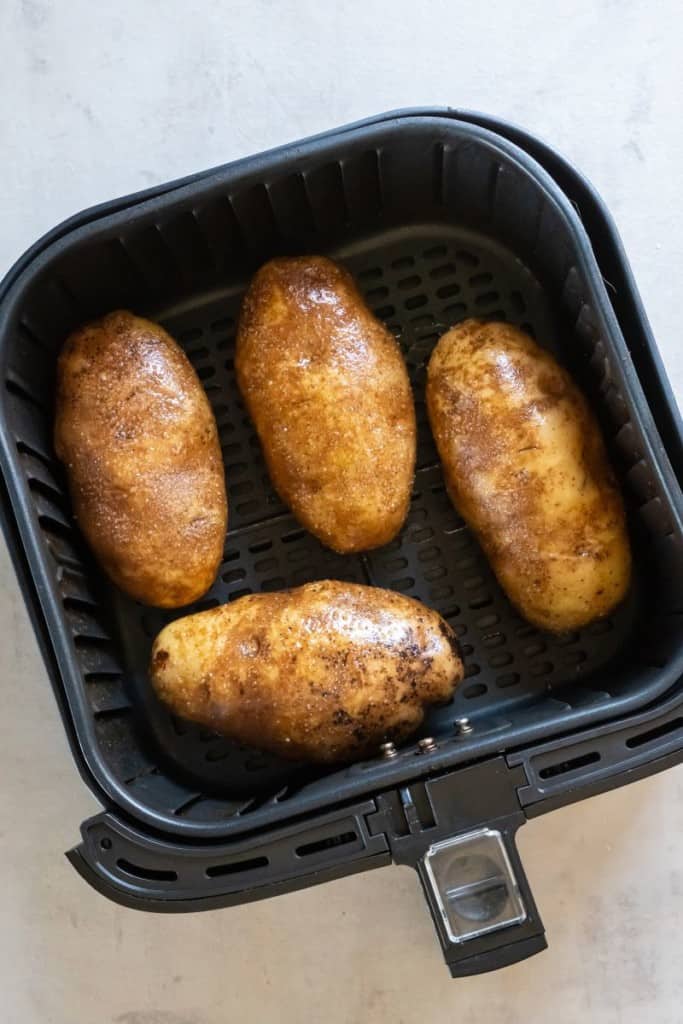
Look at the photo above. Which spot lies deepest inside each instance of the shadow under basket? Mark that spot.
(438, 220)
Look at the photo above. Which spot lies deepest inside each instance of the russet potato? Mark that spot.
(137, 436)
(324, 672)
(328, 391)
(525, 465)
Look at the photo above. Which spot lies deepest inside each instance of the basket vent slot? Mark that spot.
(326, 844)
(149, 874)
(654, 734)
(572, 765)
(236, 867)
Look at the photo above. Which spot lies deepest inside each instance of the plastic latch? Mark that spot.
(473, 885)
(458, 830)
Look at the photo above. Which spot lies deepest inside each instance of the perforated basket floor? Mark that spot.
(419, 282)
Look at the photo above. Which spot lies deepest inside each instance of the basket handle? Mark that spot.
(480, 901)
(458, 831)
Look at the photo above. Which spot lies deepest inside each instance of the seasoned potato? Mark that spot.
(525, 465)
(139, 442)
(328, 391)
(324, 672)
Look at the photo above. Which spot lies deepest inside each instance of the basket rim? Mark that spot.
(99, 218)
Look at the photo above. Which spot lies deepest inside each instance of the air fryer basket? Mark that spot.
(439, 220)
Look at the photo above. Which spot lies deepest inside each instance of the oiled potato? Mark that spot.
(324, 672)
(328, 391)
(139, 442)
(525, 465)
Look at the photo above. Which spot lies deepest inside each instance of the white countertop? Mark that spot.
(99, 100)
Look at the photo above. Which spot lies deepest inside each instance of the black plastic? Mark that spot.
(150, 873)
(398, 825)
(425, 256)
(154, 874)
(414, 818)
(561, 769)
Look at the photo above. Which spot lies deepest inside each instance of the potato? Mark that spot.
(324, 672)
(328, 391)
(139, 442)
(525, 466)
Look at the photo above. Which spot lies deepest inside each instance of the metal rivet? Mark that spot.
(426, 745)
(464, 726)
(388, 750)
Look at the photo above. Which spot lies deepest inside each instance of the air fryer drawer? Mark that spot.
(438, 220)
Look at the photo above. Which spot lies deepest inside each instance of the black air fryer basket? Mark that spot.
(440, 215)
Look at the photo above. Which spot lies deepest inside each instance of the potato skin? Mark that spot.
(136, 433)
(324, 672)
(526, 467)
(327, 388)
